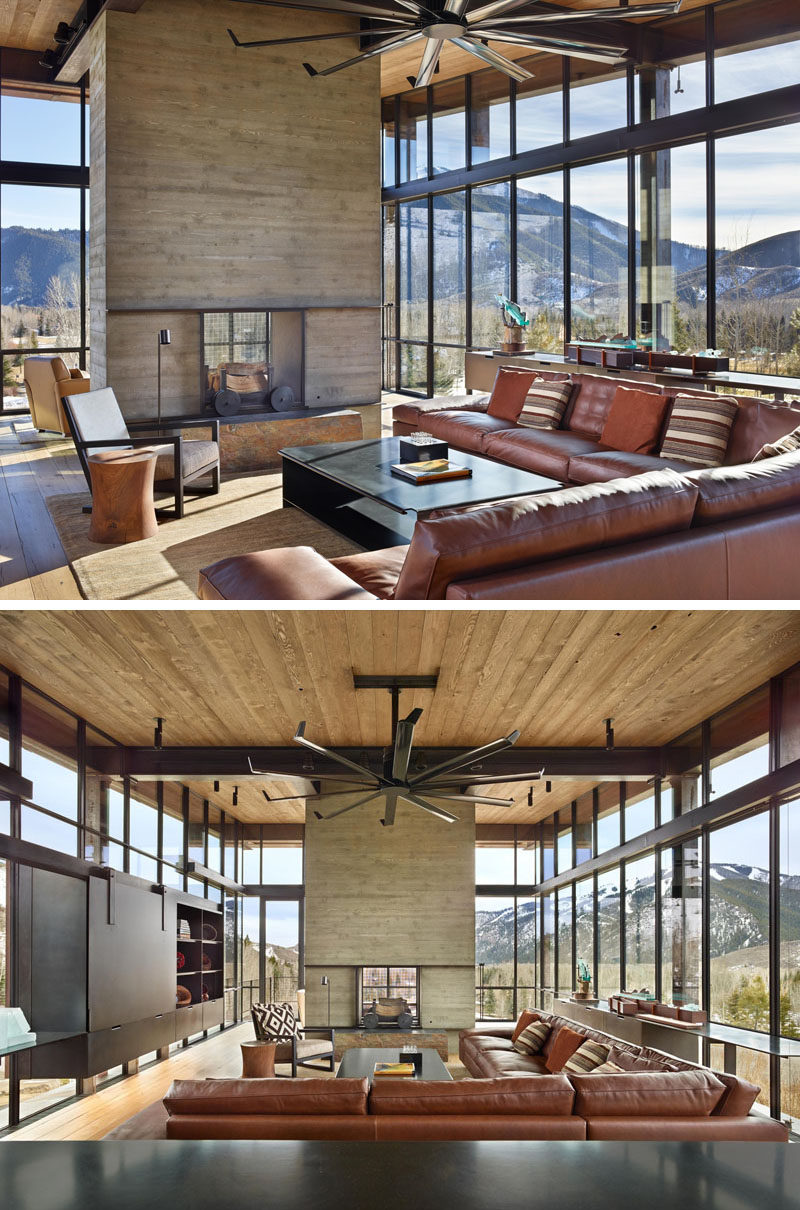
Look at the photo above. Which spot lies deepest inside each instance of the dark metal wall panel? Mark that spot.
(58, 952)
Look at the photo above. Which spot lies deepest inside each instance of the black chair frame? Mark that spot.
(311, 1061)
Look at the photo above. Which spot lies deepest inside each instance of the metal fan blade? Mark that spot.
(351, 33)
(477, 798)
(556, 46)
(378, 49)
(455, 8)
(282, 775)
(314, 797)
(466, 758)
(487, 55)
(427, 806)
(300, 738)
(428, 63)
(421, 10)
(497, 8)
(389, 813)
(343, 810)
(403, 742)
(341, 8)
(591, 14)
(480, 779)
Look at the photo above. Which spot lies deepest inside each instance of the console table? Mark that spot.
(280, 1175)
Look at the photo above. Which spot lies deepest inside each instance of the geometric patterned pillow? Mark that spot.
(606, 1069)
(784, 445)
(532, 1038)
(587, 1057)
(545, 404)
(275, 1022)
(699, 429)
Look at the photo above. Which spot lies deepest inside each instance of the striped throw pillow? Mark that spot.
(784, 445)
(545, 404)
(605, 1069)
(532, 1038)
(587, 1057)
(699, 429)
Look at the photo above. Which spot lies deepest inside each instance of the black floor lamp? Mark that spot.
(325, 982)
(164, 338)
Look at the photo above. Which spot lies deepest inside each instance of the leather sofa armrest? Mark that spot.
(296, 573)
(493, 1031)
(79, 374)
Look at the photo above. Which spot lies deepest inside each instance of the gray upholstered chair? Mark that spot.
(96, 423)
(278, 1023)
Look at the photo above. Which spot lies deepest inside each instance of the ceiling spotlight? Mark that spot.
(49, 60)
(64, 33)
(548, 785)
(609, 733)
(216, 787)
(678, 87)
(235, 799)
(158, 735)
(530, 796)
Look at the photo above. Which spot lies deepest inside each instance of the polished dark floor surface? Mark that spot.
(399, 1176)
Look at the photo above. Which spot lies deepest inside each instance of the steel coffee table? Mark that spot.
(360, 1062)
(349, 486)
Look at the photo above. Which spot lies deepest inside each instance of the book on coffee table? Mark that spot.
(394, 1069)
(434, 471)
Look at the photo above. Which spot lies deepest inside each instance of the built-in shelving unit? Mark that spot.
(200, 943)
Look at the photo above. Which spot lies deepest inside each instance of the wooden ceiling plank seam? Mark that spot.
(332, 707)
(358, 624)
(481, 670)
(464, 624)
(506, 671)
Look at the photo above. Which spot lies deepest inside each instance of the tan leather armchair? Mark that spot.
(46, 380)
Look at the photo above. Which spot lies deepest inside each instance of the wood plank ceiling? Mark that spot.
(240, 678)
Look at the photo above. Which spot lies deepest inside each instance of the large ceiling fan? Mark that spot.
(469, 25)
(441, 782)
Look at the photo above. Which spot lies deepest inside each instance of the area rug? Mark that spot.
(245, 516)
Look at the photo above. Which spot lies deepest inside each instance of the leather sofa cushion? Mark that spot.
(603, 465)
(593, 402)
(292, 573)
(539, 1095)
(453, 546)
(270, 1096)
(511, 385)
(758, 422)
(482, 1044)
(340, 1128)
(543, 451)
(376, 571)
(725, 492)
(634, 421)
(466, 430)
(663, 1094)
(685, 1129)
(506, 1063)
(453, 1128)
(412, 410)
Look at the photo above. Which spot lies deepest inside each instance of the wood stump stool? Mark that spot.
(122, 495)
(258, 1059)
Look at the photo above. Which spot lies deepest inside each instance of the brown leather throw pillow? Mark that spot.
(634, 421)
(566, 1043)
(508, 393)
(525, 1018)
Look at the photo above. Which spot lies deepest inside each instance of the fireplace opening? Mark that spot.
(388, 997)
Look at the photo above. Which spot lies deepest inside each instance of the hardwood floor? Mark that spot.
(33, 566)
(93, 1116)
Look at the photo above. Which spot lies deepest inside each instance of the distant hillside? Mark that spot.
(30, 257)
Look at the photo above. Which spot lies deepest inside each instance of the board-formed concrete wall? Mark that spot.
(399, 896)
(224, 177)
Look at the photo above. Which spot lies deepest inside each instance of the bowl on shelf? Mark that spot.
(183, 996)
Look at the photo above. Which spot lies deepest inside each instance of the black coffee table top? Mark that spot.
(360, 1061)
(267, 1175)
(364, 466)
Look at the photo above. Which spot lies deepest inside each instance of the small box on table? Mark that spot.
(421, 447)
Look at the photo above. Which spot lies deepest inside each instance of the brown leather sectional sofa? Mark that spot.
(513, 1097)
(629, 526)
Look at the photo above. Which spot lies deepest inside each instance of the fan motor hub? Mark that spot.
(440, 31)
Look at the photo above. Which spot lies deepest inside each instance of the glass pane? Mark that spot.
(671, 249)
(414, 367)
(449, 127)
(413, 135)
(41, 266)
(527, 858)
(448, 371)
(583, 827)
(282, 950)
(283, 864)
(640, 915)
(743, 73)
(388, 140)
(494, 958)
(38, 1095)
(214, 838)
(494, 863)
(753, 227)
(41, 130)
(412, 218)
(547, 945)
(144, 822)
(449, 270)
(491, 123)
(584, 923)
(679, 82)
(172, 832)
(14, 397)
(527, 952)
(250, 870)
(49, 741)
(789, 737)
(740, 743)
(53, 833)
(681, 924)
(540, 258)
(597, 98)
(566, 982)
(491, 251)
(547, 852)
(599, 242)
(540, 105)
(739, 912)
(248, 971)
(564, 840)
(640, 809)
(686, 787)
(197, 846)
(4, 720)
(789, 824)
(608, 925)
(608, 833)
